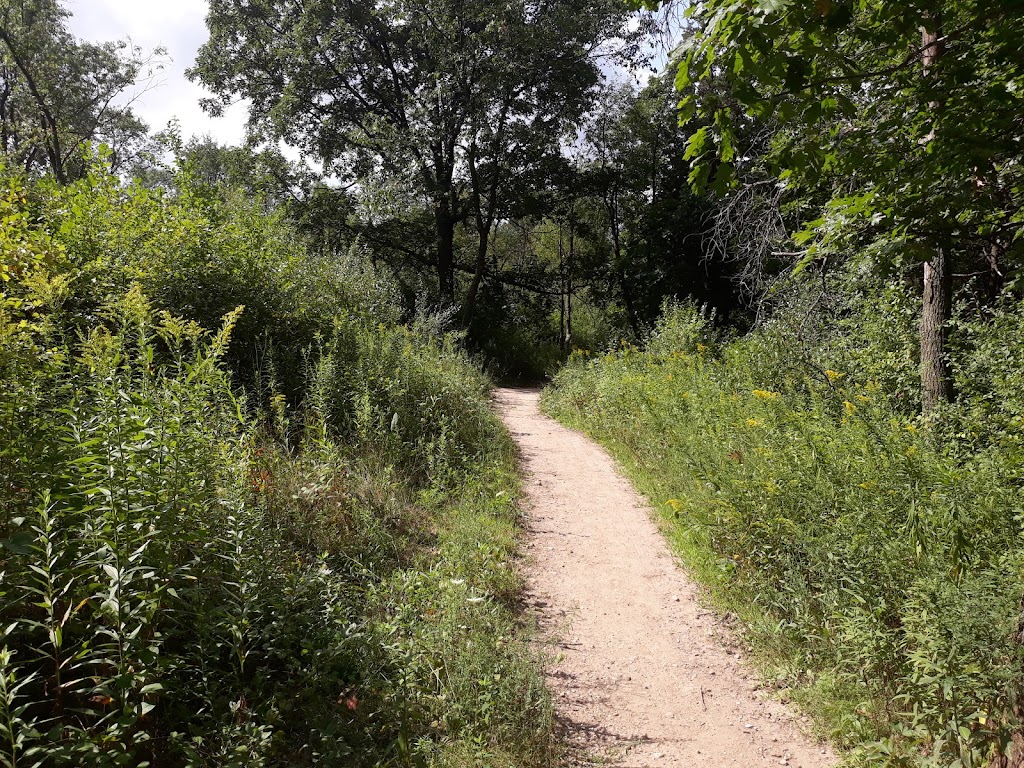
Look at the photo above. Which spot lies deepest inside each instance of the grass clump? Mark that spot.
(874, 559)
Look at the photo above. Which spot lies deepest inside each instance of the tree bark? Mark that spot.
(936, 375)
(444, 221)
(627, 299)
(486, 213)
(571, 266)
(561, 290)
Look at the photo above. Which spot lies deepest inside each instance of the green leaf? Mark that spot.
(21, 543)
(696, 144)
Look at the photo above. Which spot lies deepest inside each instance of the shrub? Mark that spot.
(196, 573)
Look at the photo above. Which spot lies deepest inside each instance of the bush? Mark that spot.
(312, 569)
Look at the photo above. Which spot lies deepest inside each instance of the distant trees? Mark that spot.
(450, 100)
(56, 93)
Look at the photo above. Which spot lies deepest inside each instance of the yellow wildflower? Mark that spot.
(753, 422)
(702, 348)
(764, 394)
(850, 407)
(834, 375)
(869, 485)
(911, 428)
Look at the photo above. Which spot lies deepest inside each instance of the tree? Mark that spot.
(439, 94)
(652, 223)
(908, 113)
(57, 93)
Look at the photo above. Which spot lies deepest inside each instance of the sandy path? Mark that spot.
(642, 674)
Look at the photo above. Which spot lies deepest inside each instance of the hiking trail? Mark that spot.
(643, 675)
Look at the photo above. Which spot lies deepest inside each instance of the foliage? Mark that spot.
(193, 576)
(920, 130)
(442, 98)
(58, 93)
(872, 559)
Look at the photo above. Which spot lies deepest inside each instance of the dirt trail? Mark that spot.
(643, 675)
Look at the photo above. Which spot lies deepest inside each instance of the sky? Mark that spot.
(180, 27)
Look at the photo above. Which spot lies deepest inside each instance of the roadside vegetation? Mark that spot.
(254, 509)
(250, 518)
(872, 556)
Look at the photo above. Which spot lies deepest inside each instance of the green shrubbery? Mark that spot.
(284, 542)
(878, 552)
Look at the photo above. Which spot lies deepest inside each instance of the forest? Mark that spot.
(255, 506)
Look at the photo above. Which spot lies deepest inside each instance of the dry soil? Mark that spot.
(642, 673)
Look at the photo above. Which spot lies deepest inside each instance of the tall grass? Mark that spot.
(303, 561)
(875, 560)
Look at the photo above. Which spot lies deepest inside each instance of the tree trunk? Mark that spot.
(570, 266)
(485, 216)
(469, 306)
(936, 376)
(444, 223)
(627, 299)
(561, 291)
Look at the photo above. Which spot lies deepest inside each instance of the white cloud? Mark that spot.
(180, 27)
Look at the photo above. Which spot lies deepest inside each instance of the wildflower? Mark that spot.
(911, 428)
(701, 348)
(764, 394)
(850, 407)
(753, 422)
(674, 503)
(870, 484)
(911, 451)
(834, 375)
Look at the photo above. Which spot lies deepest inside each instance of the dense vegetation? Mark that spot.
(846, 475)
(197, 572)
(875, 562)
(254, 507)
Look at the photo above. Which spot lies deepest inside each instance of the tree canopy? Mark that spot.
(903, 119)
(447, 97)
(57, 93)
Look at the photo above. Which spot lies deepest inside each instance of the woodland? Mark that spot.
(255, 509)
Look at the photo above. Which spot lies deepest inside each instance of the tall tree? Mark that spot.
(438, 93)
(57, 93)
(910, 112)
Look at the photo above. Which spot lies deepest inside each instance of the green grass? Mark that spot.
(874, 566)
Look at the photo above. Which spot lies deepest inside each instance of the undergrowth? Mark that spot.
(873, 558)
(228, 543)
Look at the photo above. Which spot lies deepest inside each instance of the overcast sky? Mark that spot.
(180, 27)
